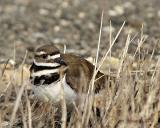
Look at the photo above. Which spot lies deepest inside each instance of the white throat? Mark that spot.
(46, 64)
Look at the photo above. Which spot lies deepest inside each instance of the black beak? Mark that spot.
(60, 61)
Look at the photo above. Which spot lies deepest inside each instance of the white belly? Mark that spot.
(53, 92)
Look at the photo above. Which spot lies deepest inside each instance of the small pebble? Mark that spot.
(81, 15)
(56, 28)
(43, 12)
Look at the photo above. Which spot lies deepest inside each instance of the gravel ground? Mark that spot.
(76, 23)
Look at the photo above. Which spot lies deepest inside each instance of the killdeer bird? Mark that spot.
(51, 69)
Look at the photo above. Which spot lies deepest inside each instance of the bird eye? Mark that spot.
(44, 56)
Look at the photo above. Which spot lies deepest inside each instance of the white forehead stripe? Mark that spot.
(44, 72)
(46, 64)
(53, 56)
(40, 53)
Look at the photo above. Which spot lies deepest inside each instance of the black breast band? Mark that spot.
(36, 68)
(45, 79)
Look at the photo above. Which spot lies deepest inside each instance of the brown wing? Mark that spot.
(78, 69)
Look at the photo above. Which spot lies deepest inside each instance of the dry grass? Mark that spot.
(130, 100)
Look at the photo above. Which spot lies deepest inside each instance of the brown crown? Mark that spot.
(49, 49)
